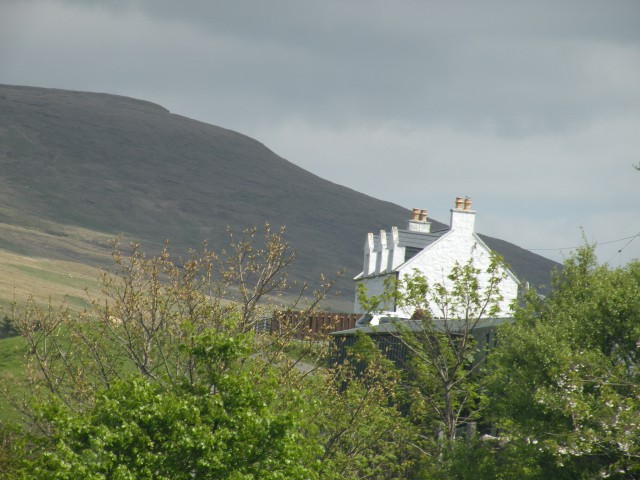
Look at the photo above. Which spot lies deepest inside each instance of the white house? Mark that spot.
(400, 252)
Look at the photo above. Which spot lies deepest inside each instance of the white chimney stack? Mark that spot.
(370, 255)
(463, 219)
(418, 222)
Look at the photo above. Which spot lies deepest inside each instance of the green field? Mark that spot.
(45, 281)
(11, 368)
(42, 265)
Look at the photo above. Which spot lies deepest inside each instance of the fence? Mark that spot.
(309, 325)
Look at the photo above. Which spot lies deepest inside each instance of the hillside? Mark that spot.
(78, 168)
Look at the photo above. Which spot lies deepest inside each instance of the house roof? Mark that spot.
(411, 239)
(419, 240)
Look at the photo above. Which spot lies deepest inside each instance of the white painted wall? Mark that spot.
(396, 252)
(375, 286)
(437, 261)
(383, 254)
(370, 256)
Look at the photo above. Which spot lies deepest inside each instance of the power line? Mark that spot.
(626, 245)
(631, 238)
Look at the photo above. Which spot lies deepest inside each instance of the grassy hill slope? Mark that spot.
(78, 168)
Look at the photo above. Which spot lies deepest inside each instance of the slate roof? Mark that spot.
(414, 242)
(409, 238)
(419, 239)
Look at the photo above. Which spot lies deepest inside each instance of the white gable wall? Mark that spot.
(437, 261)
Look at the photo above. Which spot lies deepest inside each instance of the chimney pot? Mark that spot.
(462, 217)
(418, 222)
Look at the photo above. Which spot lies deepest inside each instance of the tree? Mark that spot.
(168, 376)
(236, 426)
(566, 374)
(7, 329)
(441, 370)
(154, 307)
(366, 435)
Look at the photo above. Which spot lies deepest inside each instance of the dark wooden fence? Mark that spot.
(309, 325)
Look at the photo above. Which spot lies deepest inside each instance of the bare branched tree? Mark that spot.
(155, 306)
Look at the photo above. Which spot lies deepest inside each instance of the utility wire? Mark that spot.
(626, 245)
(631, 239)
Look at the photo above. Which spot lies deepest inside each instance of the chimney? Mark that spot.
(396, 252)
(418, 222)
(462, 217)
(383, 255)
(370, 256)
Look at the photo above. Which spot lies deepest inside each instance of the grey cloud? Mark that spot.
(516, 66)
(539, 102)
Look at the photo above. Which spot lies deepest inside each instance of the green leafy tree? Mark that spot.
(366, 436)
(236, 426)
(7, 329)
(566, 374)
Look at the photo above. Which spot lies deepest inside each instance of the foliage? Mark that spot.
(367, 436)
(490, 458)
(566, 375)
(168, 378)
(7, 328)
(225, 426)
(154, 308)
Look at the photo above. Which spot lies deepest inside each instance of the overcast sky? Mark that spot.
(531, 108)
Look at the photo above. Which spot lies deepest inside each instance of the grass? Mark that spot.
(12, 370)
(11, 354)
(50, 263)
(45, 281)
